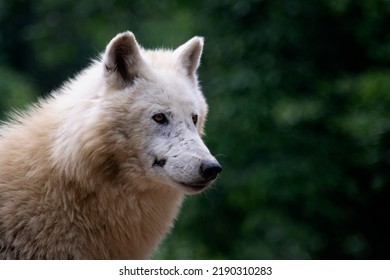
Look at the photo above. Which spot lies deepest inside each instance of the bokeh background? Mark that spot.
(299, 95)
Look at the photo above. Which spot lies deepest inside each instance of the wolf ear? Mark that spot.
(188, 55)
(122, 60)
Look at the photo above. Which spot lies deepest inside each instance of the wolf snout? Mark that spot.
(209, 169)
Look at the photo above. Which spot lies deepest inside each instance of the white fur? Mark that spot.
(89, 173)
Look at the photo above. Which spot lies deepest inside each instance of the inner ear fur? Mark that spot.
(189, 54)
(122, 60)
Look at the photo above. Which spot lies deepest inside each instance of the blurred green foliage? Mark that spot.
(299, 95)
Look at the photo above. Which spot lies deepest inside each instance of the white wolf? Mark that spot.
(99, 170)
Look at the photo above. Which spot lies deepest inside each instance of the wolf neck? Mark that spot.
(132, 224)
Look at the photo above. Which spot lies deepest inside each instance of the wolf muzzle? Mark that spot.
(209, 170)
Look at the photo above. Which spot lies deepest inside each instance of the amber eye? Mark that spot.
(195, 119)
(160, 118)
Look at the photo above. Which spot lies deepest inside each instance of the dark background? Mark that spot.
(299, 95)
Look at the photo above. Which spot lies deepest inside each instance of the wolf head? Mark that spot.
(162, 111)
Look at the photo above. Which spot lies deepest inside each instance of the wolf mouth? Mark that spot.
(159, 162)
(196, 185)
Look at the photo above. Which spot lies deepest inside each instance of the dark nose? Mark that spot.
(210, 169)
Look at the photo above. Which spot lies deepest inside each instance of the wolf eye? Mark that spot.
(160, 118)
(195, 119)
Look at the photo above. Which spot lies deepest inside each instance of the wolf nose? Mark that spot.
(210, 169)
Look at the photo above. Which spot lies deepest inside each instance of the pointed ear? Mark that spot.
(188, 55)
(122, 60)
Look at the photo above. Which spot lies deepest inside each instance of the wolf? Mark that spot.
(99, 169)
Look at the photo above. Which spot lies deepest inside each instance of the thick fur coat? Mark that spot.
(100, 168)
